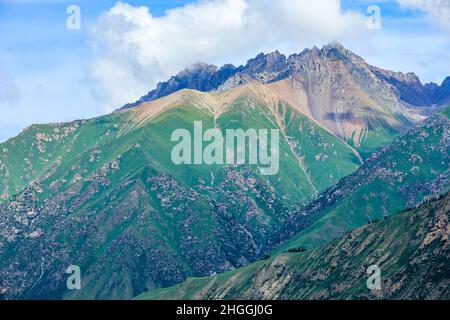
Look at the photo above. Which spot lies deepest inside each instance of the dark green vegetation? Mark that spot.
(104, 194)
(395, 178)
(412, 250)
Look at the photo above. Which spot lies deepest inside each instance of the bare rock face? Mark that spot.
(441, 94)
(201, 77)
(408, 87)
(339, 90)
(321, 66)
(343, 92)
(332, 85)
(265, 68)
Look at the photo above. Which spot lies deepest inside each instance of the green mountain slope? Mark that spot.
(397, 177)
(412, 250)
(105, 195)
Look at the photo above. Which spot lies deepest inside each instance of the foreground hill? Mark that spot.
(412, 250)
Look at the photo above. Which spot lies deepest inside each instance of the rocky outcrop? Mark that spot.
(411, 90)
(310, 63)
(441, 94)
(201, 76)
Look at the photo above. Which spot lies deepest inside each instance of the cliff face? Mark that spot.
(441, 94)
(410, 90)
(310, 64)
(202, 77)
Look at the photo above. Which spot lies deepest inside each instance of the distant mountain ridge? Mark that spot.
(275, 66)
(412, 91)
(332, 86)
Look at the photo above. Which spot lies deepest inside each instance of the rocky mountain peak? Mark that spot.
(270, 62)
(441, 94)
(408, 77)
(333, 62)
(446, 83)
(199, 67)
(200, 76)
(412, 91)
(334, 45)
(333, 50)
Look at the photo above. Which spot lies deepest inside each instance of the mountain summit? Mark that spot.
(358, 103)
(312, 62)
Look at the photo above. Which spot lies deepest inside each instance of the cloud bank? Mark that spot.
(134, 49)
(438, 10)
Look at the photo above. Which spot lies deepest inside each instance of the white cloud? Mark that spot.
(9, 92)
(135, 50)
(438, 10)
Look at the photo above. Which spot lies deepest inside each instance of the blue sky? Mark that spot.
(49, 73)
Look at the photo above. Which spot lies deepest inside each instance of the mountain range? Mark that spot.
(412, 250)
(275, 66)
(105, 195)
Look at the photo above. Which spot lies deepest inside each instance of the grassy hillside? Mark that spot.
(412, 250)
(397, 177)
(104, 194)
